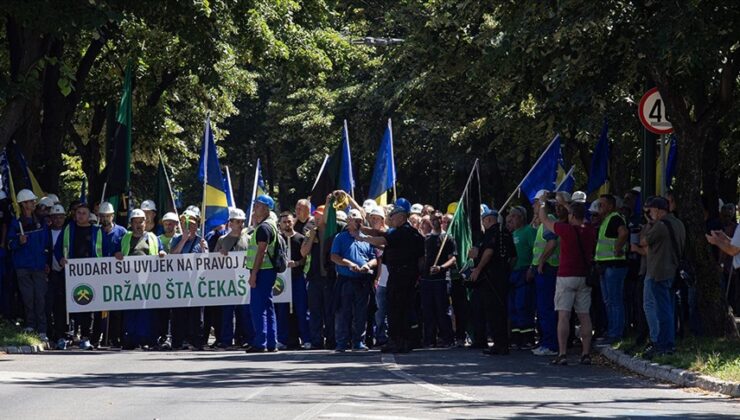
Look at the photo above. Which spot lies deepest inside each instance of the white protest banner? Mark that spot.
(143, 282)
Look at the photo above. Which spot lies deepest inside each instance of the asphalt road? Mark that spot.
(427, 384)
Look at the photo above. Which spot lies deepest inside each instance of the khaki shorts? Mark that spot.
(572, 293)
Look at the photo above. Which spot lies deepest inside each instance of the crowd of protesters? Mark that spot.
(543, 278)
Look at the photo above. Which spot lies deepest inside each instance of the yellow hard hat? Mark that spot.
(452, 208)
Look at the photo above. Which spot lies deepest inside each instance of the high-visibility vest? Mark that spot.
(252, 248)
(606, 248)
(150, 237)
(98, 243)
(539, 248)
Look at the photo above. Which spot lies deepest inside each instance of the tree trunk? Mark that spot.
(712, 305)
(49, 162)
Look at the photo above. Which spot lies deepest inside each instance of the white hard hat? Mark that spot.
(46, 202)
(137, 213)
(540, 193)
(638, 189)
(93, 218)
(148, 205)
(377, 211)
(57, 209)
(26, 195)
(106, 208)
(54, 198)
(341, 216)
(355, 214)
(594, 207)
(416, 208)
(194, 211)
(368, 204)
(170, 216)
(236, 214)
(579, 197)
(3, 196)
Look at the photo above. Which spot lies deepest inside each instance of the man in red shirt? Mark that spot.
(577, 242)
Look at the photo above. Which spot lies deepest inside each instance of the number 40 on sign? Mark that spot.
(652, 113)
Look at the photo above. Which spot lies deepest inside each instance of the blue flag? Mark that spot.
(543, 174)
(670, 167)
(346, 180)
(599, 174)
(384, 174)
(209, 172)
(568, 182)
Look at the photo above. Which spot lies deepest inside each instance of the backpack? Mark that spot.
(280, 259)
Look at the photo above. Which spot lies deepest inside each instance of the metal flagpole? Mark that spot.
(506, 203)
(205, 177)
(254, 191)
(393, 160)
(231, 188)
(467, 184)
(570, 172)
(172, 195)
(326, 157)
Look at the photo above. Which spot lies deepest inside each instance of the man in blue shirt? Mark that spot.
(28, 240)
(355, 262)
(112, 234)
(185, 323)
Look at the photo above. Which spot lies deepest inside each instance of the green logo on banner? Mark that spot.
(82, 294)
(279, 286)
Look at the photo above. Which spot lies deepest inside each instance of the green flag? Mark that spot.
(465, 226)
(118, 168)
(163, 196)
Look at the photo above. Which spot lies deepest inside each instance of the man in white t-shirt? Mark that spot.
(731, 247)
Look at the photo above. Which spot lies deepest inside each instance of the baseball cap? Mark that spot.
(416, 208)
(319, 211)
(489, 212)
(579, 197)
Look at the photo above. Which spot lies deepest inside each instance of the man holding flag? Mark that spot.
(403, 254)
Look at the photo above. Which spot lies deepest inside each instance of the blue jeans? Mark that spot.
(353, 295)
(435, 309)
(381, 327)
(243, 332)
(548, 320)
(659, 311)
(263, 311)
(521, 301)
(612, 290)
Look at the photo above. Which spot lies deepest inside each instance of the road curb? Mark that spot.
(22, 349)
(680, 377)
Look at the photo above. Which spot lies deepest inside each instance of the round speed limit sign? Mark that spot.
(652, 113)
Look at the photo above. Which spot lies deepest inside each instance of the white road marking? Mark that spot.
(389, 362)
